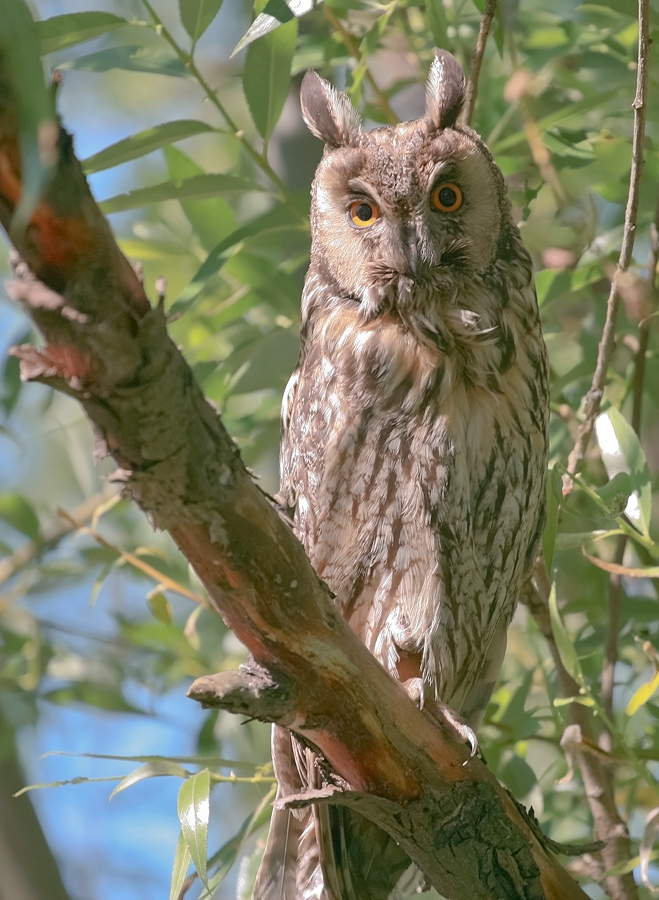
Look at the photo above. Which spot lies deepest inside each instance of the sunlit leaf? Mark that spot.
(144, 142)
(196, 15)
(614, 495)
(182, 860)
(193, 813)
(275, 13)
(150, 770)
(74, 28)
(267, 76)
(622, 452)
(644, 693)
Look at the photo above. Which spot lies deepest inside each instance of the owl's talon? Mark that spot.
(417, 691)
(416, 688)
(460, 727)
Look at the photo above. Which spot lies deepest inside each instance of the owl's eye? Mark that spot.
(363, 213)
(447, 197)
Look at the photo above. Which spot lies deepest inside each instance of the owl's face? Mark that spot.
(419, 200)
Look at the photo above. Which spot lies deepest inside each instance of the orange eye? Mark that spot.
(363, 213)
(447, 197)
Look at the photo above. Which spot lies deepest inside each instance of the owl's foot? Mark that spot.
(459, 726)
(415, 687)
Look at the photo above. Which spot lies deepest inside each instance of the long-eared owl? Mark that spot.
(414, 443)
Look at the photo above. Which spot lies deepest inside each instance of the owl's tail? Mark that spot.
(324, 852)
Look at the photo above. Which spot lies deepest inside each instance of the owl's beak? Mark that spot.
(414, 262)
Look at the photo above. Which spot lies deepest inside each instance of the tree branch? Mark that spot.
(597, 778)
(352, 47)
(608, 341)
(598, 784)
(107, 348)
(477, 60)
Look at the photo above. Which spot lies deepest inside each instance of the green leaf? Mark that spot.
(11, 386)
(226, 856)
(565, 647)
(643, 694)
(614, 495)
(103, 696)
(437, 21)
(74, 28)
(554, 483)
(79, 779)
(133, 58)
(622, 453)
(196, 15)
(193, 813)
(20, 514)
(570, 540)
(150, 770)
(202, 760)
(267, 362)
(211, 219)
(144, 142)
(182, 860)
(518, 776)
(267, 76)
(274, 14)
(190, 189)
(272, 220)
(564, 112)
(160, 607)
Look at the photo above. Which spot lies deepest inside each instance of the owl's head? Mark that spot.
(419, 200)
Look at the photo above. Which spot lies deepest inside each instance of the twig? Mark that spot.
(188, 61)
(598, 786)
(477, 60)
(646, 323)
(608, 342)
(32, 550)
(615, 582)
(611, 646)
(353, 49)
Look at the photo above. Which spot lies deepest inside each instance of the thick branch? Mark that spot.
(108, 349)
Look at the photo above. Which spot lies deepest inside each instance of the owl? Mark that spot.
(414, 446)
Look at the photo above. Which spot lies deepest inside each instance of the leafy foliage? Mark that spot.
(225, 221)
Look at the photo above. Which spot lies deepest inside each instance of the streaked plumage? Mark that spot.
(414, 436)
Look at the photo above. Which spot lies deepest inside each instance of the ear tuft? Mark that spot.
(445, 91)
(328, 113)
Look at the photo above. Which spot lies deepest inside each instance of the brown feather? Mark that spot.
(414, 444)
